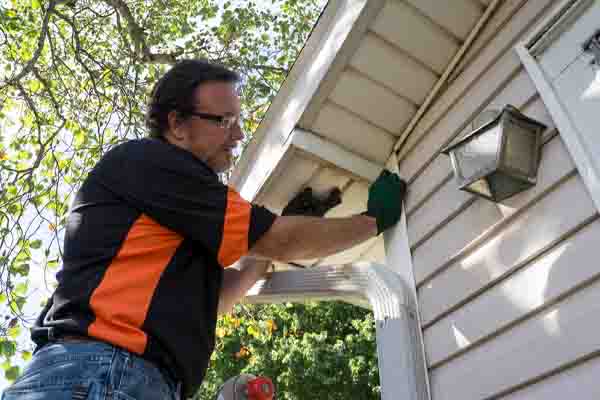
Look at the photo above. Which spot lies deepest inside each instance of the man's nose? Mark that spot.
(236, 132)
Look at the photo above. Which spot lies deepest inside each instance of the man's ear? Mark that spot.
(174, 120)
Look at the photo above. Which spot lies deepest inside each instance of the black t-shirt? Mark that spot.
(148, 236)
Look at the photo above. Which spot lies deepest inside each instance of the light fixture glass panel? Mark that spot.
(520, 148)
(504, 186)
(480, 153)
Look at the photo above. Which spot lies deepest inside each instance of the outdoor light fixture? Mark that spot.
(500, 157)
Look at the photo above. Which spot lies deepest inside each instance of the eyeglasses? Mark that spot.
(223, 121)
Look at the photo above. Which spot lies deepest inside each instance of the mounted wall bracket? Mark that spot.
(592, 45)
(399, 349)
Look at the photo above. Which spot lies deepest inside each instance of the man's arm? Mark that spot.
(237, 282)
(300, 238)
(304, 237)
(307, 237)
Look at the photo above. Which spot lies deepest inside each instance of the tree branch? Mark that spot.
(40, 46)
(138, 36)
(47, 87)
(269, 68)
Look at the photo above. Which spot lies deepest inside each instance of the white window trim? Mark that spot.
(572, 137)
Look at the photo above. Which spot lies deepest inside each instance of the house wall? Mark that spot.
(508, 293)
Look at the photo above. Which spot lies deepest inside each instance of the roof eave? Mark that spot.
(319, 60)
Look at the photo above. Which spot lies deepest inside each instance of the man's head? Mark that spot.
(195, 106)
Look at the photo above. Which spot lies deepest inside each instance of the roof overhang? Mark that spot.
(339, 28)
(355, 92)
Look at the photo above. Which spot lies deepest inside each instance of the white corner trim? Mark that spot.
(399, 347)
(335, 154)
(270, 141)
(399, 258)
(545, 32)
(587, 164)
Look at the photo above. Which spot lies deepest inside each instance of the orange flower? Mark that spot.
(271, 325)
(243, 353)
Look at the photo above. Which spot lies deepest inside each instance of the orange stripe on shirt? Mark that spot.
(121, 301)
(234, 243)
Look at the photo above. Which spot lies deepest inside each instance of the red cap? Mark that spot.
(260, 388)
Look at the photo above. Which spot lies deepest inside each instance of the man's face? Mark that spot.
(209, 140)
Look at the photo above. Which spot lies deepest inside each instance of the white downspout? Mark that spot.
(399, 348)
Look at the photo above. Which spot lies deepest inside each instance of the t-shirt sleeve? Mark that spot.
(181, 193)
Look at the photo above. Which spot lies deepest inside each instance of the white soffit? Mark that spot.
(340, 20)
(312, 161)
(365, 70)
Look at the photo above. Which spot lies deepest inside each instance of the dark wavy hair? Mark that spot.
(174, 91)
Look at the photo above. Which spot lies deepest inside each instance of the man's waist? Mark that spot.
(81, 338)
(75, 338)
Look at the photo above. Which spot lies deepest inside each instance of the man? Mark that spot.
(147, 240)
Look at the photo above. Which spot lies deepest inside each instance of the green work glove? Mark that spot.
(385, 200)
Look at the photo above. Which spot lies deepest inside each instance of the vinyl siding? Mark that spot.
(508, 293)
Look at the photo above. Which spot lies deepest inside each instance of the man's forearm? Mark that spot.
(236, 282)
(298, 238)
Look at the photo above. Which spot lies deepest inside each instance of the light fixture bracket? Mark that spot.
(592, 45)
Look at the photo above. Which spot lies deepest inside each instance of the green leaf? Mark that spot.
(6, 363)
(52, 264)
(8, 348)
(79, 138)
(21, 269)
(253, 331)
(21, 289)
(35, 244)
(12, 373)
(26, 355)
(35, 85)
(24, 255)
(15, 209)
(17, 303)
(14, 332)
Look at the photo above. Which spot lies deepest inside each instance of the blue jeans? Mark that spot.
(88, 370)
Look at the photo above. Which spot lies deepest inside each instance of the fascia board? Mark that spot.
(323, 152)
(333, 153)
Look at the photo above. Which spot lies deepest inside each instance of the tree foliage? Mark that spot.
(74, 79)
(311, 351)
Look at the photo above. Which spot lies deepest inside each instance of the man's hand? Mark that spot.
(385, 200)
(305, 203)
(238, 280)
